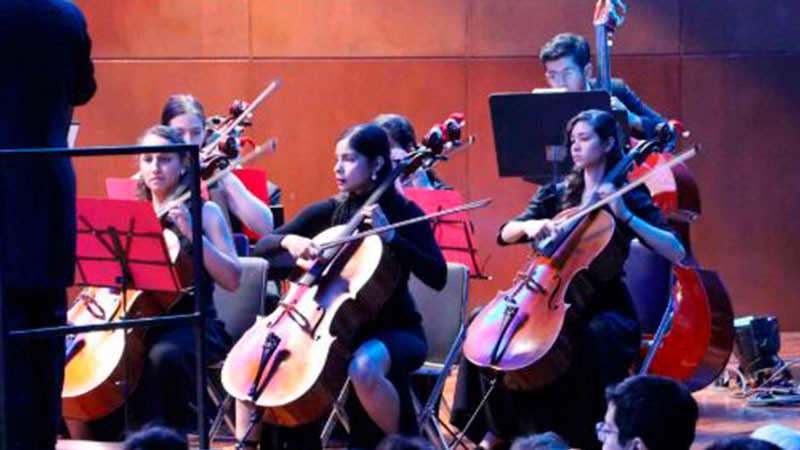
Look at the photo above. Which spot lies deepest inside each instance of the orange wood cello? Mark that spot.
(293, 362)
(521, 332)
(103, 367)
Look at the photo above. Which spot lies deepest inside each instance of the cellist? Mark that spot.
(392, 345)
(165, 389)
(601, 315)
(185, 113)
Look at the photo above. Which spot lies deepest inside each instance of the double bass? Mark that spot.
(697, 336)
(521, 333)
(698, 324)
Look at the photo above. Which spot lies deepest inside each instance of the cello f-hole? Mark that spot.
(552, 303)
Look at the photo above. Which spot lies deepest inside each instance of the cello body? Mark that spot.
(310, 334)
(521, 332)
(103, 367)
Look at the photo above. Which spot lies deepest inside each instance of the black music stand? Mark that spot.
(120, 245)
(529, 131)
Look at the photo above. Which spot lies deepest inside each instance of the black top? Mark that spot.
(45, 70)
(605, 272)
(414, 246)
(650, 118)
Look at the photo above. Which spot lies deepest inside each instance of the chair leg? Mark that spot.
(427, 416)
(221, 416)
(338, 414)
(661, 331)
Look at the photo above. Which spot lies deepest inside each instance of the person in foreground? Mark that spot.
(648, 413)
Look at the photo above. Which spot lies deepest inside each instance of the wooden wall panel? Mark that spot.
(347, 28)
(167, 29)
(747, 121)
(129, 99)
(655, 79)
(344, 61)
(521, 27)
(320, 99)
(510, 194)
(740, 26)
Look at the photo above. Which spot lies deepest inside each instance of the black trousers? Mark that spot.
(167, 384)
(34, 368)
(570, 406)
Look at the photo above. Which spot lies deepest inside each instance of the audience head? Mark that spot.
(742, 443)
(542, 441)
(156, 438)
(400, 442)
(648, 412)
(780, 435)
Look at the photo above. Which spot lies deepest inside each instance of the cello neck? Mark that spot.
(603, 63)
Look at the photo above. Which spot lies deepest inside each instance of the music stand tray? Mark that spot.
(452, 232)
(526, 125)
(121, 245)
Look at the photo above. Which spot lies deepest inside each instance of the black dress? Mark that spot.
(166, 389)
(397, 325)
(602, 320)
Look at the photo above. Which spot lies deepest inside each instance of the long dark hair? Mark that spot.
(369, 140)
(399, 130)
(178, 104)
(172, 136)
(605, 126)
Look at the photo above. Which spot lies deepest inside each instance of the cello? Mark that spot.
(521, 332)
(293, 362)
(103, 367)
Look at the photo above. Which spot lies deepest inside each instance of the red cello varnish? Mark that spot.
(698, 337)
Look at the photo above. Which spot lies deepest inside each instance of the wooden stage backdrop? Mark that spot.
(728, 69)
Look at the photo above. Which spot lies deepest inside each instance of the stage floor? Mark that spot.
(721, 413)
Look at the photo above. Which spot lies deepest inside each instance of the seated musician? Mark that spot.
(393, 344)
(403, 140)
(601, 317)
(185, 113)
(166, 386)
(567, 63)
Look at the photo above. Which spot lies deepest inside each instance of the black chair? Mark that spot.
(237, 310)
(649, 279)
(444, 319)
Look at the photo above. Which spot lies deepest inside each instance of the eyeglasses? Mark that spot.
(555, 76)
(604, 431)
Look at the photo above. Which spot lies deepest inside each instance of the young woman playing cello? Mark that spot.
(393, 344)
(184, 113)
(165, 389)
(607, 333)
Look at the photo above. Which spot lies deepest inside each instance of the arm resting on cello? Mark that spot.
(533, 222)
(308, 223)
(640, 216)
